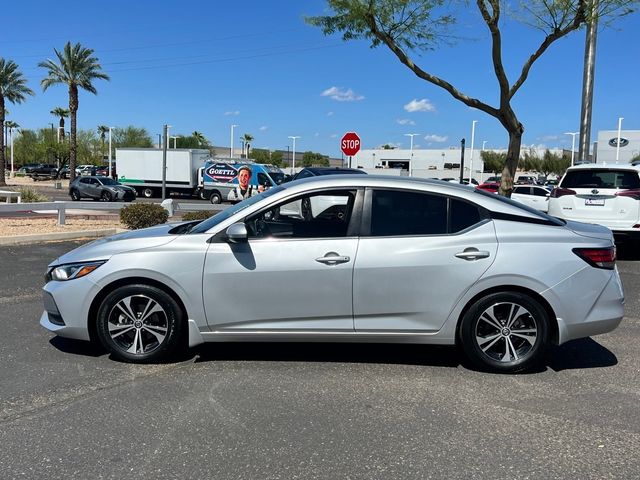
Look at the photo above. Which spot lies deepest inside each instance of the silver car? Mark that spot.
(397, 260)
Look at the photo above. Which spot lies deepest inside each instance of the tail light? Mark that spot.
(598, 257)
(561, 192)
(632, 193)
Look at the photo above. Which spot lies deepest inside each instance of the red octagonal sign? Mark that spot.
(350, 144)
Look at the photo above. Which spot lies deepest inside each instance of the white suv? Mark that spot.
(608, 195)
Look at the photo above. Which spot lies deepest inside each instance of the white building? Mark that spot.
(607, 146)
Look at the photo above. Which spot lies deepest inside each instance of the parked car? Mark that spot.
(44, 170)
(319, 171)
(27, 168)
(533, 196)
(489, 186)
(398, 260)
(608, 195)
(63, 172)
(100, 188)
(526, 180)
(86, 170)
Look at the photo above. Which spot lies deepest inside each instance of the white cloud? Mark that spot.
(423, 105)
(317, 134)
(550, 138)
(341, 95)
(329, 114)
(405, 121)
(436, 138)
(234, 113)
(263, 128)
(333, 135)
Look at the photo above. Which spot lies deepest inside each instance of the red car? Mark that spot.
(489, 187)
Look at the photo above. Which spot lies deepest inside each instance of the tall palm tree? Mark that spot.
(61, 113)
(76, 68)
(102, 131)
(247, 138)
(13, 88)
(199, 136)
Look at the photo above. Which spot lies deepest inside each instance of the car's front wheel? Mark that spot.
(140, 323)
(505, 332)
(105, 196)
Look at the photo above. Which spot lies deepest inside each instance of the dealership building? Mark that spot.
(607, 146)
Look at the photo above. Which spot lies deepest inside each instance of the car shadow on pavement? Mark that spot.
(405, 354)
(78, 347)
(579, 354)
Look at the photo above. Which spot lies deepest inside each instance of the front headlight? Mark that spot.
(73, 270)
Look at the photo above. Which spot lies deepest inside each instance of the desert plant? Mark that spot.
(198, 215)
(143, 215)
(29, 195)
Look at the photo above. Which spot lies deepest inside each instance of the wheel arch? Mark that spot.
(107, 289)
(553, 321)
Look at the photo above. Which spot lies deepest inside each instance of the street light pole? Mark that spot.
(231, 148)
(473, 134)
(618, 142)
(165, 144)
(175, 141)
(293, 161)
(11, 135)
(110, 160)
(411, 150)
(484, 142)
(573, 144)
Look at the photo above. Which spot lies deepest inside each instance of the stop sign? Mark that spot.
(350, 144)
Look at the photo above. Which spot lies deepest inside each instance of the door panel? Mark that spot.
(280, 285)
(412, 283)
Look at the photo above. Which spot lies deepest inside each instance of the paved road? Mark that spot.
(280, 411)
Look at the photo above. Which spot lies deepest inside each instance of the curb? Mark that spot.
(57, 236)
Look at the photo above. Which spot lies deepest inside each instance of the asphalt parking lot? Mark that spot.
(284, 411)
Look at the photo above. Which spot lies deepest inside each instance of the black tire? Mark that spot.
(75, 195)
(148, 192)
(105, 196)
(203, 195)
(505, 332)
(215, 198)
(156, 335)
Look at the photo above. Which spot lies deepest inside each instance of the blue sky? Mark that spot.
(204, 65)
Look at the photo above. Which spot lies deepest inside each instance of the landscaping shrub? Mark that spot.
(29, 195)
(143, 215)
(198, 215)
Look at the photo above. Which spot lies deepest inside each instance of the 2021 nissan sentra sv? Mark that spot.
(384, 260)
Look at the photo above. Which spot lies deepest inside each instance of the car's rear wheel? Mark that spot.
(139, 323)
(505, 332)
(75, 195)
(105, 196)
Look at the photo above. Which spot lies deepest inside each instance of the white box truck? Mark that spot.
(141, 168)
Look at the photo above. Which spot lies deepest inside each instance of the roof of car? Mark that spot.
(332, 170)
(591, 166)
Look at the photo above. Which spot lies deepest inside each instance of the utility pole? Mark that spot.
(587, 84)
(164, 161)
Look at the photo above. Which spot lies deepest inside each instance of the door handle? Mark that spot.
(472, 254)
(332, 258)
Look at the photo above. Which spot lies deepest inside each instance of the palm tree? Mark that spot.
(199, 136)
(62, 113)
(13, 88)
(247, 138)
(76, 68)
(102, 131)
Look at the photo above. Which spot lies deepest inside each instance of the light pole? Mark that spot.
(573, 144)
(411, 149)
(473, 134)
(110, 157)
(231, 148)
(484, 142)
(293, 161)
(618, 142)
(11, 136)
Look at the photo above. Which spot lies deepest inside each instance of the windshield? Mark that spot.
(211, 222)
(277, 177)
(108, 181)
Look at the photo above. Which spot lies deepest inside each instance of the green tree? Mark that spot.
(552, 163)
(201, 139)
(77, 68)
(406, 26)
(132, 137)
(529, 162)
(310, 159)
(188, 142)
(102, 130)
(13, 89)
(260, 155)
(246, 140)
(386, 146)
(60, 113)
(276, 158)
(493, 161)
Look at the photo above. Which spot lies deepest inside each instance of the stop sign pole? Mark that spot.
(350, 145)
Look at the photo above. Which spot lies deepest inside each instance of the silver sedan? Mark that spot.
(377, 259)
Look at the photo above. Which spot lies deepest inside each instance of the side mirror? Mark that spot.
(237, 233)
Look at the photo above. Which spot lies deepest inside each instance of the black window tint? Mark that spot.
(395, 212)
(84, 180)
(522, 190)
(263, 179)
(540, 192)
(463, 215)
(304, 174)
